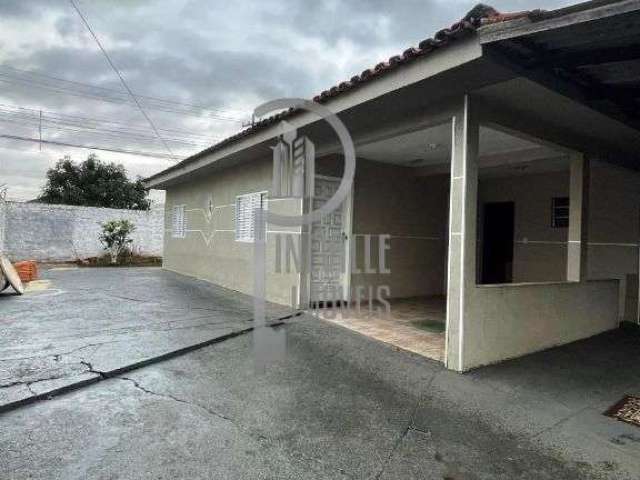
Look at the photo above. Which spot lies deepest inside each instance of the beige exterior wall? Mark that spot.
(614, 223)
(500, 322)
(540, 251)
(210, 251)
(512, 320)
(392, 200)
(614, 232)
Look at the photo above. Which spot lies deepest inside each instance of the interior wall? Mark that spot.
(540, 250)
(391, 199)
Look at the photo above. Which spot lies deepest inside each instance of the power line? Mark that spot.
(111, 90)
(94, 120)
(89, 147)
(117, 134)
(48, 119)
(95, 92)
(124, 84)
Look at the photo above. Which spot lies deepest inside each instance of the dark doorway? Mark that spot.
(497, 244)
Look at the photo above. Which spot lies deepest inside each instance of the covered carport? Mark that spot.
(576, 82)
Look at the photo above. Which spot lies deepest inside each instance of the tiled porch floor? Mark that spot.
(414, 324)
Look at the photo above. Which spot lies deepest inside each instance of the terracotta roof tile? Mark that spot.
(480, 15)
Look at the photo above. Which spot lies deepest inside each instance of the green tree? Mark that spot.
(115, 237)
(93, 183)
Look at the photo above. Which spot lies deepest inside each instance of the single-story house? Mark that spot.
(498, 162)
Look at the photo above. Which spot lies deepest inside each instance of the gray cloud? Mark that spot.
(225, 55)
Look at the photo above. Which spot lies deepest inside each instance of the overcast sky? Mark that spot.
(227, 56)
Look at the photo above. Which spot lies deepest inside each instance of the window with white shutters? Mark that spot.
(245, 222)
(560, 212)
(178, 221)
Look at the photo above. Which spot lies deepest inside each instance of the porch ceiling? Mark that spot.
(432, 146)
(524, 107)
(592, 56)
(588, 53)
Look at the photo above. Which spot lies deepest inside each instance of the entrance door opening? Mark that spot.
(497, 243)
(328, 244)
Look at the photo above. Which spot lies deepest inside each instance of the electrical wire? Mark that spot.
(89, 147)
(124, 83)
(53, 120)
(231, 115)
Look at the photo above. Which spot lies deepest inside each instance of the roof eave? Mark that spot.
(539, 21)
(462, 51)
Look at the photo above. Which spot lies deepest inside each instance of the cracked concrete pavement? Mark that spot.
(339, 405)
(89, 321)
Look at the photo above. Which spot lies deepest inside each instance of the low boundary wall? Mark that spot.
(508, 321)
(44, 232)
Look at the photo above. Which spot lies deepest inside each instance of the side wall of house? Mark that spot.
(390, 199)
(209, 250)
(614, 232)
(506, 321)
(540, 251)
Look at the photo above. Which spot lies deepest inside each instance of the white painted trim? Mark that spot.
(540, 242)
(233, 231)
(463, 231)
(205, 238)
(596, 244)
(184, 220)
(249, 194)
(458, 53)
(328, 177)
(278, 199)
(602, 244)
(449, 253)
(403, 237)
(348, 230)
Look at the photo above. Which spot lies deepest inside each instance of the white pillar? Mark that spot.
(463, 207)
(578, 219)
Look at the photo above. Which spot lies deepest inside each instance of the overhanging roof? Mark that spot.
(479, 15)
(587, 52)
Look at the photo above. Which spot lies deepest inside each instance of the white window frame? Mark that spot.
(178, 222)
(244, 219)
(557, 219)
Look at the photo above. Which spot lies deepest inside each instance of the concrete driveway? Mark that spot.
(77, 322)
(339, 405)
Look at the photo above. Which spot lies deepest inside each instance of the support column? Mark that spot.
(463, 207)
(578, 246)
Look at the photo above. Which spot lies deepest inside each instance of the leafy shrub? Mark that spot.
(115, 237)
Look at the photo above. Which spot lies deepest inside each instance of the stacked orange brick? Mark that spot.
(27, 270)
